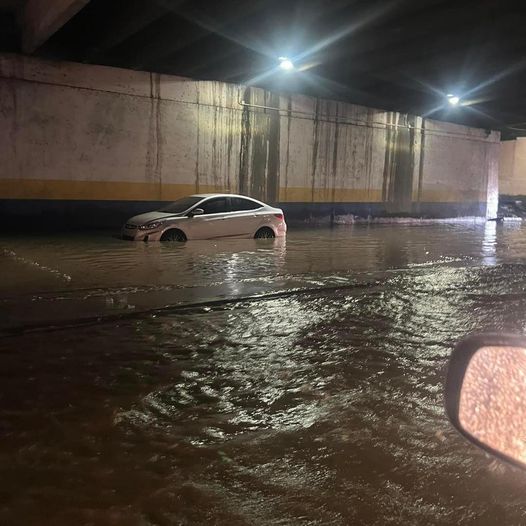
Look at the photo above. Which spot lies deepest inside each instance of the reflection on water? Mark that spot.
(85, 262)
(489, 245)
(61, 279)
(322, 406)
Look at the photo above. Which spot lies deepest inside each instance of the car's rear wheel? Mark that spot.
(265, 233)
(174, 234)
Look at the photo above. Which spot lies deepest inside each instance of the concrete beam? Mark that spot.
(42, 18)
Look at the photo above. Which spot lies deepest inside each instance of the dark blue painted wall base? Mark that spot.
(305, 211)
(508, 199)
(512, 206)
(64, 215)
(40, 214)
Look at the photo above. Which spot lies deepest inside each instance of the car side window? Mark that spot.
(244, 204)
(218, 205)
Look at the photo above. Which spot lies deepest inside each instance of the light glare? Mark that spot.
(453, 99)
(285, 63)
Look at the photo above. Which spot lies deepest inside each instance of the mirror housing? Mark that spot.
(486, 394)
(196, 212)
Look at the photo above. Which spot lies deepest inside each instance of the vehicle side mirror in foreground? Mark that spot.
(486, 394)
(196, 212)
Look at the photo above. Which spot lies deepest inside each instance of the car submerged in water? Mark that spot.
(207, 216)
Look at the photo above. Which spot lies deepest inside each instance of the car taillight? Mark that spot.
(279, 216)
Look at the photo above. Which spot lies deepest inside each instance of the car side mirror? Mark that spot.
(486, 394)
(196, 212)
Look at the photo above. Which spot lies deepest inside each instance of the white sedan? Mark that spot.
(207, 216)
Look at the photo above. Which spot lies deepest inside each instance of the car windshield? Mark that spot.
(181, 205)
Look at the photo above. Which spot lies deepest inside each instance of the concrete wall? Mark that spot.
(103, 143)
(512, 170)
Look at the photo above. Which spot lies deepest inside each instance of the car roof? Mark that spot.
(202, 196)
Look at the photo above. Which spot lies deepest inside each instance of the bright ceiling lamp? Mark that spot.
(286, 64)
(453, 99)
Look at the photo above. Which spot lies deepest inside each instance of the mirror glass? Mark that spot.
(492, 406)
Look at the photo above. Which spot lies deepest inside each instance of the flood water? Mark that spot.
(295, 381)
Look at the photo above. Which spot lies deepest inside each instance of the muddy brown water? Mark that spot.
(244, 382)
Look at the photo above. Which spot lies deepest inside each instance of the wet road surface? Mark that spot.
(295, 382)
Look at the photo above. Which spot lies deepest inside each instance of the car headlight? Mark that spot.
(151, 226)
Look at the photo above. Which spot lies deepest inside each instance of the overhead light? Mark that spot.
(453, 99)
(285, 63)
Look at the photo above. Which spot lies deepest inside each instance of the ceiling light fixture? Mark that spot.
(285, 64)
(453, 99)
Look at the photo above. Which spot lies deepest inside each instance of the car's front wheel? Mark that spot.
(174, 234)
(265, 233)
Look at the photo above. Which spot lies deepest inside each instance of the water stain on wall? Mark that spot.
(315, 145)
(399, 163)
(287, 159)
(244, 150)
(368, 149)
(154, 146)
(421, 165)
(197, 138)
(259, 157)
(273, 160)
(334, 171)
(9, 106)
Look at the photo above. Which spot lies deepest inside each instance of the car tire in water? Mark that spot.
(173, 234)
(265, 233)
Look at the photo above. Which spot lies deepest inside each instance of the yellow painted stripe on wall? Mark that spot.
(128, 191)
(451, 195)
(325, 195)
(509, 187)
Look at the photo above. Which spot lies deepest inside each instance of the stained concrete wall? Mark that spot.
(512, 170)
(81, 141)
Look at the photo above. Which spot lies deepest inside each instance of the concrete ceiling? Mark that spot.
(11, 4)
(9, 27)
(399, 55)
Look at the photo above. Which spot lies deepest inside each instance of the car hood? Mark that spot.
(142, 219)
